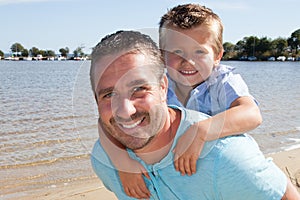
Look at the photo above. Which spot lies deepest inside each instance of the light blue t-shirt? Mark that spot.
(214, 95)
(229, 168)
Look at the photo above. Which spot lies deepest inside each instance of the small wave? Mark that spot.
(45, 127)
(294, 139)
(44, 162)
(292, 147)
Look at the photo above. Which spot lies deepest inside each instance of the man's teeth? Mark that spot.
(131, 125)
(188, 72)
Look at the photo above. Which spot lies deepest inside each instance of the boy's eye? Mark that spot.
(199, 51)
(178, 52)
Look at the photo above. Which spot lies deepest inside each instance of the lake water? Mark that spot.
(48, 119)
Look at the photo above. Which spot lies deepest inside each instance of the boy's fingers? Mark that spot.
(126, 190)
(187, 167)
(133, 193)
(176, 164)
(145, 191)
(193, 164)
(181, 166)
(141, 194)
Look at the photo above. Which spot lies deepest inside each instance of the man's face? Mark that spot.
(131, 101)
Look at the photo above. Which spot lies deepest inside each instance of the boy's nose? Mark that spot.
(191, 62)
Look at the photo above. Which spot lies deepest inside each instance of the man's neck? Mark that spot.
(159, 147)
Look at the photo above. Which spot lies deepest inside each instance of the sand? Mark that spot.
(93, 189)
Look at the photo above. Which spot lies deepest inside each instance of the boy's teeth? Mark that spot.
(188, 72)
(131, 125)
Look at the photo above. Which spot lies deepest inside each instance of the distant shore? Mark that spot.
(288, 161)
(62, 58)
(39, 58)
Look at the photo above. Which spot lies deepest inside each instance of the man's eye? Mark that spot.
(109, 95)
(139, 92)
(139, 89)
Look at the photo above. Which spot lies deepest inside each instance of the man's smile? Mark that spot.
(131, 125)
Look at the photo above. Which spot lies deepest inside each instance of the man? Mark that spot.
(130, 86)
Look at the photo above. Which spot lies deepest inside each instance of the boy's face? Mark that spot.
(189, 55)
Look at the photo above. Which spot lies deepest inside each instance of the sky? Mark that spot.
(55, 24)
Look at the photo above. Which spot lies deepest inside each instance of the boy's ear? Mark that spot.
(219, 57)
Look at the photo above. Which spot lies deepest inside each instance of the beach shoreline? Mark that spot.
(288, 161)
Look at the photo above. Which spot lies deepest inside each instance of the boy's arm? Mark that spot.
(130, 171)
(243, 115)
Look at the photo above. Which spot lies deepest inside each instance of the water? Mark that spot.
(48, 119)
(47, 131)
(276, 87)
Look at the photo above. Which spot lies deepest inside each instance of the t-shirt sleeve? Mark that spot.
(104, 169)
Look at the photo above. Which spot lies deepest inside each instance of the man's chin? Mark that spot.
(141, 146)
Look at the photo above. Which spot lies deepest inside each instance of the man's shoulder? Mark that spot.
(99, 156)
(190, 115)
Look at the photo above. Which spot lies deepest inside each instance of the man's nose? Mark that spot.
(124, 108)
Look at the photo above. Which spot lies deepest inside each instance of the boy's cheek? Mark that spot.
(172, 61)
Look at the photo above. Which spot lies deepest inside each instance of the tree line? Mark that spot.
(263, 48)
(252, 46)
(18, 50)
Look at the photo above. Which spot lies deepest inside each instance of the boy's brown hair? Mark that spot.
(189, 16)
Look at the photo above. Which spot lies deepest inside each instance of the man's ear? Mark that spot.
(164, 87)
(96, 99)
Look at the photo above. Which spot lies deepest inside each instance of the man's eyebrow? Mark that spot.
(105, 91)
(130, 84)
(137, 82)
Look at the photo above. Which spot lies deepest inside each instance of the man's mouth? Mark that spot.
(132, 125)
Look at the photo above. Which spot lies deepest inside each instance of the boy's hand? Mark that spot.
(133, 183)
(187, 151)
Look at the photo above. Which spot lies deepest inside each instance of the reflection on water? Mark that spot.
(48, 118)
